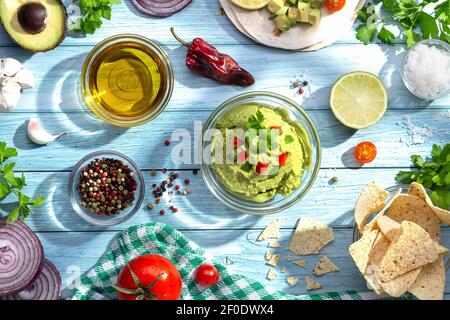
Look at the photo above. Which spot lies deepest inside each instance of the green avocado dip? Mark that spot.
(269, 152)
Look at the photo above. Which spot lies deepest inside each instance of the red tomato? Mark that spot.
(207, 275)
(334, 5)
(277, 128)
(159, 279)
(242, 156)
(282, 158)
(365, 152)
(236, 142)
(261, 167)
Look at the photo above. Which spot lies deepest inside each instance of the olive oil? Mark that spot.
(127, 80)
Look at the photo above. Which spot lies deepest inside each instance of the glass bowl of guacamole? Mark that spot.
(260, 153)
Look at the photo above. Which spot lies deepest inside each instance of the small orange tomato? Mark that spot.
(365, 152)
(334, 5)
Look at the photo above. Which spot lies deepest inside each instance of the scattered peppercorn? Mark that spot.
(301, 91)
(166, 142)
(195, 171)
(153, 173)
(186, 181)
(164, 170)
(150, 206)
(335, 179)
(296, 84)
(305, 83)
(162, 212)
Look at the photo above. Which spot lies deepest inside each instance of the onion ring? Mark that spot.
(21, 257)
(46, 287)
(160, 8)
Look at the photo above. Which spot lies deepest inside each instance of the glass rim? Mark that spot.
(104, 44)
(441, 43)
(81, 212)
(206, 169)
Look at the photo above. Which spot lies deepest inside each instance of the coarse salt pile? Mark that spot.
(427, 70)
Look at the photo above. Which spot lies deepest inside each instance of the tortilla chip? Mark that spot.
(271, 274)
(411, 249)
(301, 263)
(360, 250)
(411, 208)
(271, 231)
(388, 227)
(430, 283)
(283, 270)
(312, 284)
(418, 190)
(370, 200)
(310, 237)
(325, 266)
(272, 259)
(274, 244)
(372, 224)
(293, 281)
(379, 248)
(399, 286)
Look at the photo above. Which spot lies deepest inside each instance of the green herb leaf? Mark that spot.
(366, 33)
(256, 122)
(289, 139)
(411, 37)
(93, 11)
(246, 167)
(385, 36)
(10, 184)
(428, 26)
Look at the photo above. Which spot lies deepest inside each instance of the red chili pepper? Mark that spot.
(261, 167)
(282, 158)
(206, 60)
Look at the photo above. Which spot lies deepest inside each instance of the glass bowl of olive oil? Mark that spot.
(127, 80)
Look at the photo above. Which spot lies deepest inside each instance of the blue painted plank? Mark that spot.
(145, 144)
(328, 203)
(58, 73)
(201, 18)
(83, 249)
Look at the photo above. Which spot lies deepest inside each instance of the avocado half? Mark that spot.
(35, 25)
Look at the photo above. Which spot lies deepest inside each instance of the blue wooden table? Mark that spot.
(74, 245)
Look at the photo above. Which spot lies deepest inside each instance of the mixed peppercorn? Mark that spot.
(107, 186)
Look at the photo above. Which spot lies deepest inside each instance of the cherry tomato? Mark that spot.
(277, 128)
(282, 158)
(207, 275)
(242, 156)
(261, 167)
(365, 152)
(159, 278)
(334, 5)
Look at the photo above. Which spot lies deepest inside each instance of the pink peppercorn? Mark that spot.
(162, 212)
(186, 181)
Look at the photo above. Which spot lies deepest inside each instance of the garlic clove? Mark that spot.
(9, 67)
(38, 135)
(9, 96)
(25, 78)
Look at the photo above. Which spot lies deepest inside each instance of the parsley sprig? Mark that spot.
(433, 174)
(10, 184)
(256, 122)
(93, 11)
(412, 17)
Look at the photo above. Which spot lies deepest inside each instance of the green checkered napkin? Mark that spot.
(162, 239)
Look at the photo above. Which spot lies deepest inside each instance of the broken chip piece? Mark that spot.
(370, 200)
(312, 284)
(310, 237)
(272, 259)
(271, 274)
(271, 231)
(274, 244)
(325, 266)
(292, 281)
(300, 263)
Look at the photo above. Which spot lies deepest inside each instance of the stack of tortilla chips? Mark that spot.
(399, 250)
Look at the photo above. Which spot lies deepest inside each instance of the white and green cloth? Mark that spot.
(162, 239)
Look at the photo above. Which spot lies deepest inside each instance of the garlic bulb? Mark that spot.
(38, 135)
(13, 78)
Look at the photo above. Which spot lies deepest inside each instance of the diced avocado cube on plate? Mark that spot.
(282, 23)
(303, 9)
(293, 15)
(275, 5)
(314, 16)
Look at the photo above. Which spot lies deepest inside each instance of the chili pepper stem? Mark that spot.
(184, 43)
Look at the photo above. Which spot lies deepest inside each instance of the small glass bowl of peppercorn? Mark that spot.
(106, 188)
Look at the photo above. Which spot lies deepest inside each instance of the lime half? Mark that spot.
(359, 99)
(251, 4)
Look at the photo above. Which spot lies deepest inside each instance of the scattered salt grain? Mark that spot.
(427, 70)
(418, 135)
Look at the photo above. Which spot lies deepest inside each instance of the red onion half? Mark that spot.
(21, 257)
(160, 8)
(46, 287)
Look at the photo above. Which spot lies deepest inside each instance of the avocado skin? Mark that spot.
(63, 31)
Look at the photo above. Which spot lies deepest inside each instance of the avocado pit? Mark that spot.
(32, 17)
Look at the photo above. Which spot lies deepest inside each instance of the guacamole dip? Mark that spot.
(269, 152)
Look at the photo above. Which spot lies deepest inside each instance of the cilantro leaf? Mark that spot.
(10, 184)
(428, 26)
(93, 11)
(411, 37)
(385, 36)
(289, 139)
(246, 167)
(256, 122)
(366, 33)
